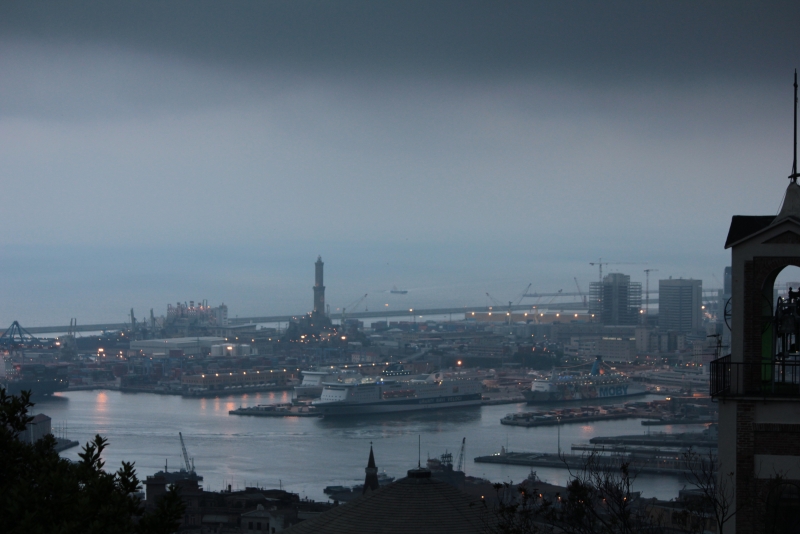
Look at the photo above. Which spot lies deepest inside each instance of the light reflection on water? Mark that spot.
(307, 454)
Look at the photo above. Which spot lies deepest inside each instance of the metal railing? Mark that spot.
(777, 378)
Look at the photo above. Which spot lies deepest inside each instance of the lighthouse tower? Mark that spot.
(319, 290)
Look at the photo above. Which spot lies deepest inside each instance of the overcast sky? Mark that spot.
(160, 151)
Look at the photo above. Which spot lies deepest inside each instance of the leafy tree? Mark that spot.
(40, 492)
(598, 500)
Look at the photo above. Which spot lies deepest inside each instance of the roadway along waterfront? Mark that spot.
(306, 454)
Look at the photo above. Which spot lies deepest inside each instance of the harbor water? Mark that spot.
(303, 455)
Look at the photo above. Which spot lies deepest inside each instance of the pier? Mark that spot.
(655, 463)
(278, 410)
(686, 440)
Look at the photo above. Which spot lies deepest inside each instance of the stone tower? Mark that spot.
(319, 290)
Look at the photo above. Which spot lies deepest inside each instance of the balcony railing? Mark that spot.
(779, 378)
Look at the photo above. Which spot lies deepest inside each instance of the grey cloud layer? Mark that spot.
(616, 41)
(534, 135)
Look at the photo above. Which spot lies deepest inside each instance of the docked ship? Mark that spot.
(572, 386)
(39, 379)
(388, 395)
(313, 380)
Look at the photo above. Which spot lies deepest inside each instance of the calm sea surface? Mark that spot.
(306, 454)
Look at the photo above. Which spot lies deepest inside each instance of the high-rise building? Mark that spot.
(680, 305)
(617, 300)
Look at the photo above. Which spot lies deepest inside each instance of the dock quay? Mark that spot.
(624, 449)
(584, 414)
(681, 441)
(530, 419)
(655, 464)
(63, 444)
(278, 410)
(680, 421)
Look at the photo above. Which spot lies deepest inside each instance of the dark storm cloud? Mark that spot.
(400, 140)
(611, 41)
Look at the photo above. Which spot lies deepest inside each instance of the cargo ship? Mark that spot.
(389, 395)
(39, 379)
(572, 386)
(396, 291)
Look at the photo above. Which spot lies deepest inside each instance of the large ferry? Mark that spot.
(384, 395)
(572, 386)
(313, 380)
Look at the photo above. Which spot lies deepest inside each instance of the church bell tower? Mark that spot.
(757, 385)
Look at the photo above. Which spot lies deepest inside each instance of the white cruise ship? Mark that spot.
(582, 387)
(424, 392)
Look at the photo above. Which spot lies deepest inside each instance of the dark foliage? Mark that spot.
(598, 499)
(40, 492)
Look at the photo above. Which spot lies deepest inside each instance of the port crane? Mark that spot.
(511, 303)
(583, 297)
(460, 464)
(17, 337)
(352, 306)
(189, 466)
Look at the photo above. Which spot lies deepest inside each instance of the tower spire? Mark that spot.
(794, 175)
(371, 482)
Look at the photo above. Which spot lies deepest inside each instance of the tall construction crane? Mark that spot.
(189, 466)
(600, 264)
(460, 464)
(647, 291)
(352, 306)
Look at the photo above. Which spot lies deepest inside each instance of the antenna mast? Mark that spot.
(793, 177)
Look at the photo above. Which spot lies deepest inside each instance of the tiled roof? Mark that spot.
(743, 226)
(417, 504)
